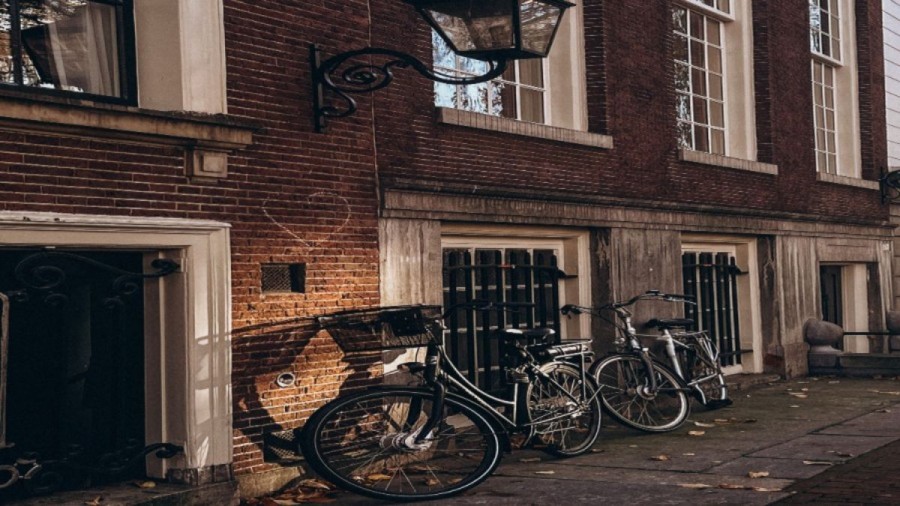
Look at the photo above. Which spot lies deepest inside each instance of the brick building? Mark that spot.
(726, 148)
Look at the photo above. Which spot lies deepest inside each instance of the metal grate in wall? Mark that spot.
(284, 278)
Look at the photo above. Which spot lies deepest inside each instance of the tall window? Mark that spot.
(520, 93)
(700, 76)
(825, 44)
(79, 47)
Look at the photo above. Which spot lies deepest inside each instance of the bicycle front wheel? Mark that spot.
(626, 393)
(370, 443)
(565, 411)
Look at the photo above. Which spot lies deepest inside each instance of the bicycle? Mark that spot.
(656, 402)
(434, 441)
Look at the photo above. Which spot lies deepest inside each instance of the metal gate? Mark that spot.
(711, 277)
(497, 275)
(73, 375)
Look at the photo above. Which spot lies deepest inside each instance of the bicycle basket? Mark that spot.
(382, 328)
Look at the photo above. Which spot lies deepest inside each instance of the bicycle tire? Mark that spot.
(355, 442)
(563, 435)
(622, 380)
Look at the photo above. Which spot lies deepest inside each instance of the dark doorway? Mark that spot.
(832, 300)
(76, 354)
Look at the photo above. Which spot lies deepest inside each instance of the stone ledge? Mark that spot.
(847, 181)
(470, 119)
(689, 155)
(206, 138)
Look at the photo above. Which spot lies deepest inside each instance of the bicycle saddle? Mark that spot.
(670, 323)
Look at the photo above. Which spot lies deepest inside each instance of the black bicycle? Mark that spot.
(420, 443)
(644, 392)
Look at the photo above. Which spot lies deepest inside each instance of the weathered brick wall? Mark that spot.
(631, 97)
(294, 196)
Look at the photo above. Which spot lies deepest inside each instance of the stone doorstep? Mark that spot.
(127, 494)
(857, 364)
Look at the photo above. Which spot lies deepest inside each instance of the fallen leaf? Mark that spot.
(758, 474)
(661, 458)
(722, 420)
(818, 463)
(530, 459)
(454, 481)
(597, 450)
(883, 411)
(689, 454)
(804, 389)
(432, 482)
(632, 446)
(794, 406)
(733, 486)
(545, 472)
(707, 425)
(696, 432)
(378, 477)
(94, 502)
(697, 486)
(144, 484)
(316, 484)
(798, 395)
(764, 489)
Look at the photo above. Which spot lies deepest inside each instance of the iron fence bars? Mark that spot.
(76, 340)
(711, 279)
(496, 275)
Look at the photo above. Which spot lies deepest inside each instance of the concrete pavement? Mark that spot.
(791, 430)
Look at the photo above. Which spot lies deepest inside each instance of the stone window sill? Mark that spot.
(689, 155)
(847, 181)
(470, 119)
(206, 138)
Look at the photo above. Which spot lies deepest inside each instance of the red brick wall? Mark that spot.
(631, 97)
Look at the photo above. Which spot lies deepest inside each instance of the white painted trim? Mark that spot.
(710, 11)
(855, 301)
(744, 250)
(188, 369)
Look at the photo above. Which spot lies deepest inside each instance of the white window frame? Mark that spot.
(845, 90)
(737, 70)
(744, 250)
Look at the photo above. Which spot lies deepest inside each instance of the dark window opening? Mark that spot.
(832, 300)
(82, 48)
(284, 278)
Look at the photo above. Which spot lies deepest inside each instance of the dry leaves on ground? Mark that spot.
(545, 472)
(661, 458)
(697, 486)
(307, 491)
(884, 392)
(696, 432)
(818, 463)
(758, 474)
(707, 425)
(94, 502)
(144, 484)
(530, 459)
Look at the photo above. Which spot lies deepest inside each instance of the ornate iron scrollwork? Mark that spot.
(369, 77)
(39, 477)
(41, 272)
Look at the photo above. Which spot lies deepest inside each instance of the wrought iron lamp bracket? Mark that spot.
(343, 78)
(890, 187)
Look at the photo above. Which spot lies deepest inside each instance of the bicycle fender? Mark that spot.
(492, 418)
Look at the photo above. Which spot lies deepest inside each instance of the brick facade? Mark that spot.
(298, 196)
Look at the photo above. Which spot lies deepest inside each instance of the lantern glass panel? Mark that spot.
(475, 25)
(539, 21)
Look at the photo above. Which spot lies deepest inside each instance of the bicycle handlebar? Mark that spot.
(617, 306)
(486, 305)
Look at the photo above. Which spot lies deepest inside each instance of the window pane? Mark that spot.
(696, 22)
(698, 81)
(684, 136)
(718, 142)
(505, 101)
(682, 78)
(698, 56)
(712, 32)
(715, 87)
(532, 105)
(701, 138)
(700, 110)
(681, 48)
(717, 114)
(715, 60)
(444, 95)
(531, 72)
(71, 45)
(679, 16)
(6, 62)
(683, 107)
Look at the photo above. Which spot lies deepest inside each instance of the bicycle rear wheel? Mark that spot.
(565, 417)
(709, 383)
(365, 443)
(626, 394)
